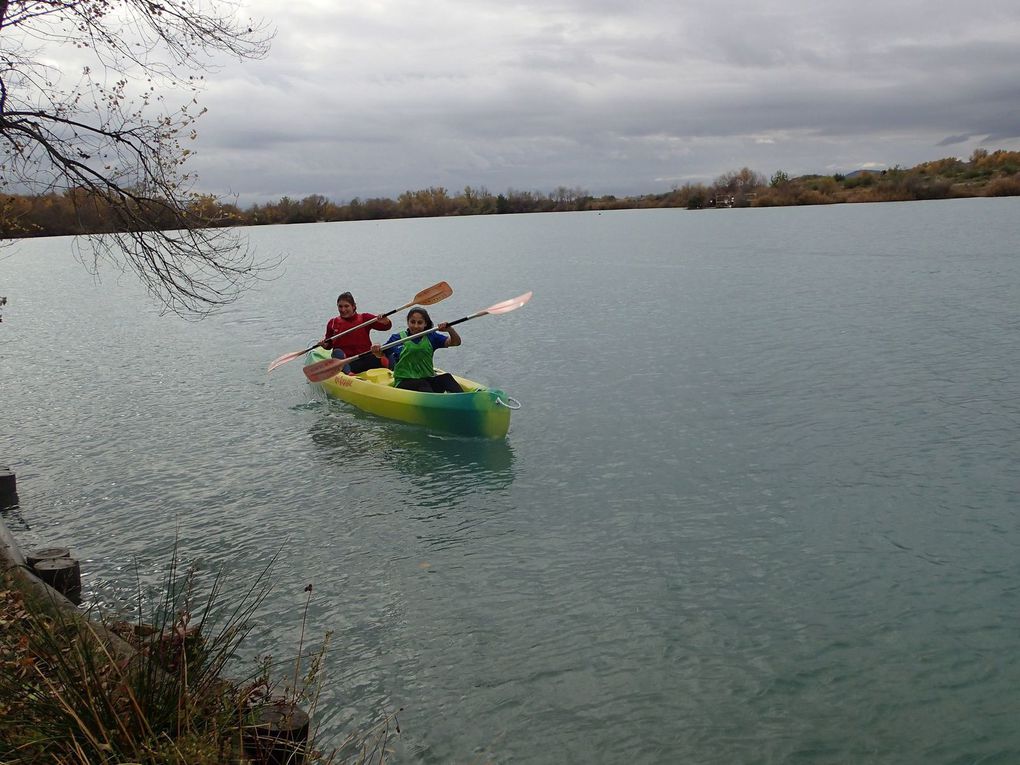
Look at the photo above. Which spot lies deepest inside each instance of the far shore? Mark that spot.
(985, 174)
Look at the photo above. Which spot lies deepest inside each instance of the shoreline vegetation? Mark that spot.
(79, 688)
(985, 174)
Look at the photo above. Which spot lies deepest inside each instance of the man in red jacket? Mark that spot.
(357, 341)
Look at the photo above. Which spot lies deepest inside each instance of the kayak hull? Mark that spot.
(479, 412)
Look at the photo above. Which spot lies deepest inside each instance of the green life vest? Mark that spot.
(415, 360)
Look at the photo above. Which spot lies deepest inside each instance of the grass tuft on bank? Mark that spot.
(77, 690)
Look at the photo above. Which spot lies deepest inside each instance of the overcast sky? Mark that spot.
(375, 97)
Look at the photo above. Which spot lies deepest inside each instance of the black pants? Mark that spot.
(443, 383)
(361, 365)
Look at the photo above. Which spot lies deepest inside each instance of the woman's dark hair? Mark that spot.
(347, 297)
(424, 315)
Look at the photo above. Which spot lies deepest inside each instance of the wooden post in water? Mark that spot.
(63, 575)
(46, 553)
(8, 487)
(278, 735)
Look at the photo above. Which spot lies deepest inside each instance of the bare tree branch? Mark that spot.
(106, 137)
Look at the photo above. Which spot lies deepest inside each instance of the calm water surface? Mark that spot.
(760, 506)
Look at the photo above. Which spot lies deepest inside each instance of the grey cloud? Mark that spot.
(954, 139)
(610, 97)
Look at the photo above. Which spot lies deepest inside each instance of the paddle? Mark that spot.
(327, 368)
(428, 296)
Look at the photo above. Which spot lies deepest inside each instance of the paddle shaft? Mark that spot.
(440, 291)
(327, 368)
(416, 335)
(357, 326)
(428, 296)
(298, 354)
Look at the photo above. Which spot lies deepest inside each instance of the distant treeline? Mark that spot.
(984, 174)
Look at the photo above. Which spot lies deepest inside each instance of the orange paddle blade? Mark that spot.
(433, 294)
(323, 370)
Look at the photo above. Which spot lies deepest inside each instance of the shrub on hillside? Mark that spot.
(1004, 187)
(862, 179)
(791, 195)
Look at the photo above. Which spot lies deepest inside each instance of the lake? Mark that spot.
(760, 504)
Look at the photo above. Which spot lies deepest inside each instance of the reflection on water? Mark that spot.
(454, 486)
(483, 460)
(12, 517)
(351, 436)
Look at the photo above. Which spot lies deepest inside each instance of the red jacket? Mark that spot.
(357, 341)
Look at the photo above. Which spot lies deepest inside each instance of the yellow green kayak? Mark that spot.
(479, 411)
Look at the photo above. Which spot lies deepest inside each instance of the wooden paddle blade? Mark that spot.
(285, 358)
(509, 305)
(433, 294)
(323, 370)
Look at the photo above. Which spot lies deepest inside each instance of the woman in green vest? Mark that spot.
(411, 362)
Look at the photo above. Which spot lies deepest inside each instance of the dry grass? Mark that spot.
(67, 697)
